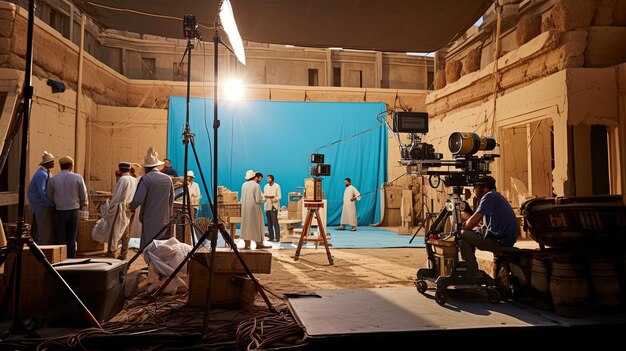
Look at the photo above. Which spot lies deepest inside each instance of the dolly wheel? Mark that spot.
(493, 295)
(421, 286)
(441, 297)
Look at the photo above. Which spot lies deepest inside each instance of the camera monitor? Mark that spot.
(410, 122)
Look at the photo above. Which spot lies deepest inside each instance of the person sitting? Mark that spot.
(492, 226)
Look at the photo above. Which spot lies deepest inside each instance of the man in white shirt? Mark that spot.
(68, 192)
(194, 189)
(271, 193)
(348, 212)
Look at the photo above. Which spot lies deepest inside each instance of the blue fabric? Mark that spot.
(499, 218)
(275, 137)
(37, 196)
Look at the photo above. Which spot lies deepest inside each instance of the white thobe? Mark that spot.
(272, 190)
(252, 226)
(155, 195)
(348, 212)
(114, 218)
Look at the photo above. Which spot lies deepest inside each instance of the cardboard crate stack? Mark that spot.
(33, 292)
(83, 238)
(225, 211)
(231, 285)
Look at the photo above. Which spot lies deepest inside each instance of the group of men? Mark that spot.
(56, 200)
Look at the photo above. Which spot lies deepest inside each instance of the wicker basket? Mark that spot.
(83, 239)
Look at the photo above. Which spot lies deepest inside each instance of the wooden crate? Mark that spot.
(230, 197)
(258, 261)
(229, 210)
(33, 292)
(228, 289)
(444, 248)
(83, 239)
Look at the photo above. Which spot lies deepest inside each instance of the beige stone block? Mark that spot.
(6, 28)
(619, 13)
(7, 14)
(573, 43)
(453, 71)
(570, 15)
(528, 27)
(19, 31)
(440, 79)
(5, 45)
(472, 61)
(603, 16)
(602, 48)
(3, 59)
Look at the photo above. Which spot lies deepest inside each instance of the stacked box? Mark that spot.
(231, 286)
(230, 197)
(83, 238)
(33, 292)
(225, 211)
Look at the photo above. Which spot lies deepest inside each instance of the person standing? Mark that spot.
(272, 195)
(116, 212)
(252, 227)
(69, 194)
(168, 169)
(348, 212)
(40, 204)
(135, 224)
(155, 195)
(194, 189)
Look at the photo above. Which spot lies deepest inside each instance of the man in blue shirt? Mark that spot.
(491, 227)
(168, 169)
(40, 204)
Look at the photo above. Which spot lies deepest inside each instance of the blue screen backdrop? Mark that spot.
(276, 137)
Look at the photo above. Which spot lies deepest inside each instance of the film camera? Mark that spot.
(320, 169)
(415, 124)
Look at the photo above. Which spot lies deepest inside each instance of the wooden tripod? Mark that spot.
(313, 209)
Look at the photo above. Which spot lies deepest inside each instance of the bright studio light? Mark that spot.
(230, 27)
(233, 89)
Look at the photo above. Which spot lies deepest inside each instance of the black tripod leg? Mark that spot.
(258, 285)
(36, 251)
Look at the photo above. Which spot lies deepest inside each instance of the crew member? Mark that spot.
(272, 195)
(168, 169)
(155, 195)
(348, 212)
(69, 194)
(491, 227)
(252, 227)
(116, 212)
(194, 189)
(40, 204)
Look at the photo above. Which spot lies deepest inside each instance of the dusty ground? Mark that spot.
(353, 268)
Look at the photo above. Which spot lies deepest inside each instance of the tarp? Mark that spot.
(278, 137)
(389, 25)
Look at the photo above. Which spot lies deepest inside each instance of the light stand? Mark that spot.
(21, 236)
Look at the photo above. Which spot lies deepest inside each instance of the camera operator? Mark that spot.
(498, 225)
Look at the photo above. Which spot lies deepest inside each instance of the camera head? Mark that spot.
(320, 169)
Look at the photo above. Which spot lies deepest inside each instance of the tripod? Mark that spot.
(20, 234)
(215, 227)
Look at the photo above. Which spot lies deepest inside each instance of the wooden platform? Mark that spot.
(353, 315)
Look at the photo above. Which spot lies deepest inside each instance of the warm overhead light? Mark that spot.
(230, 27)
(335, 48)
(421, 54)
(290, 46)
(233, 89)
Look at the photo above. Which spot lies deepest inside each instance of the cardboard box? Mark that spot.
(228, 210)
(258, 261)
(228, 289)
(33, 292)
(83, 238)
(230, 197)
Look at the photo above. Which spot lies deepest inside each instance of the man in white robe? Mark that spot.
(155, 195)
(115, 215)
(252, 226)
(348, 212)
